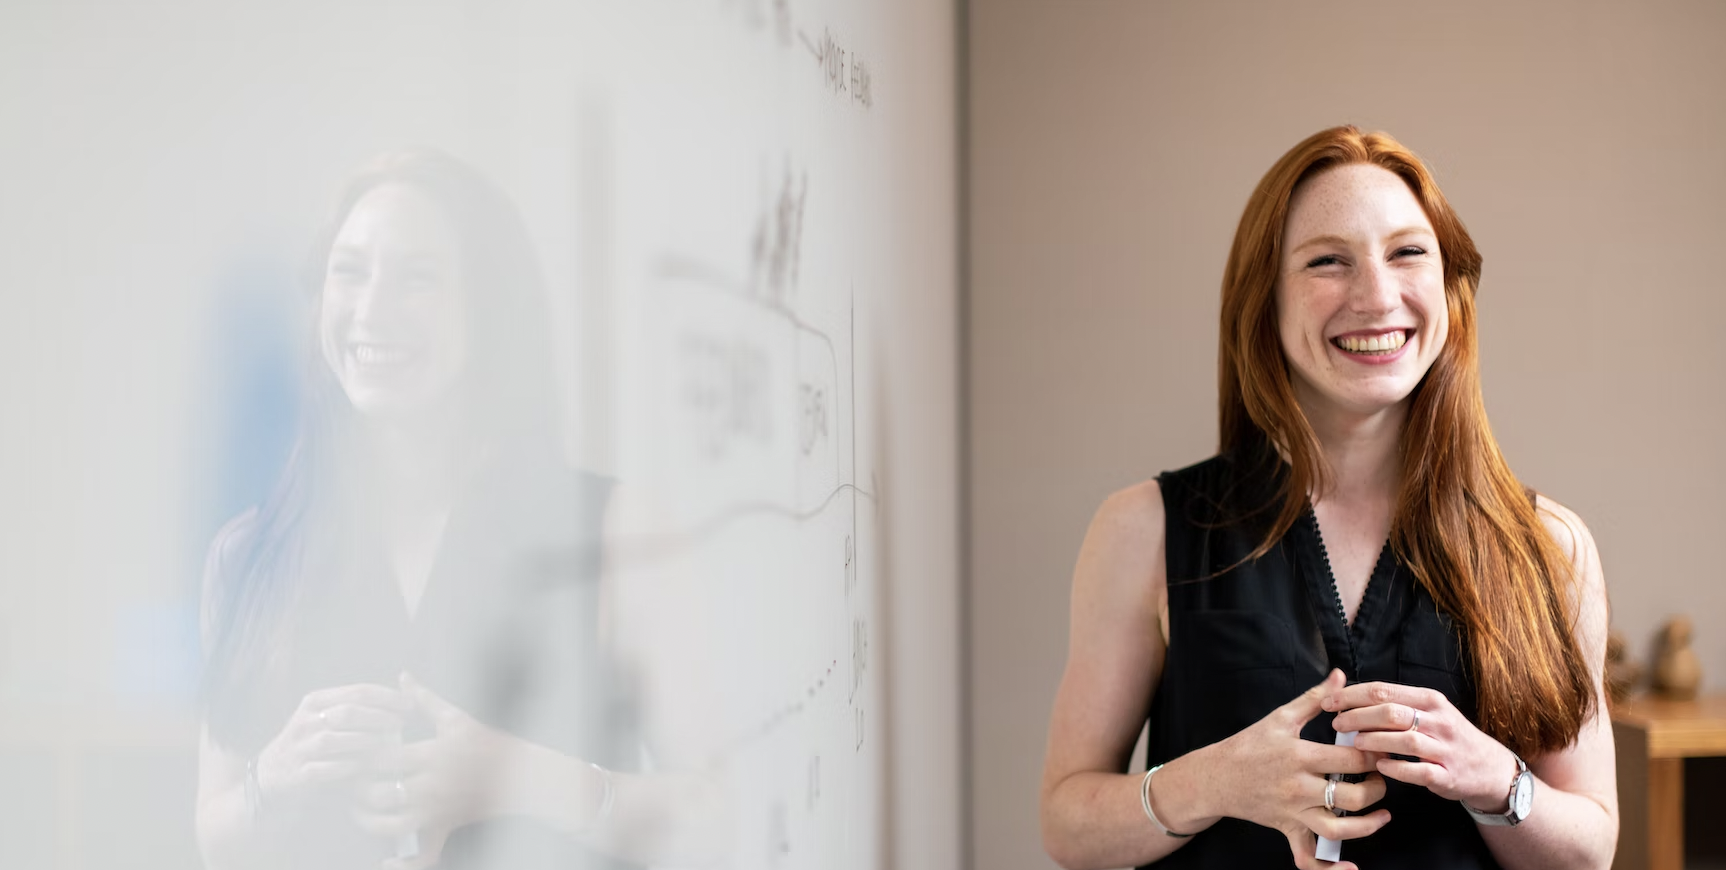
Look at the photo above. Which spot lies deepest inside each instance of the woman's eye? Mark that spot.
(1326, 260)
(1410, 251)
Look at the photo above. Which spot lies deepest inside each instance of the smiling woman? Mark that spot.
(391, 319)
(404, 663)
(1359, 530)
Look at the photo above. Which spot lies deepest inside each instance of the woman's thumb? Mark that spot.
(1305, 707)
(427, 700)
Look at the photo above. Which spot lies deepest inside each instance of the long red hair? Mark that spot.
(1464, 525)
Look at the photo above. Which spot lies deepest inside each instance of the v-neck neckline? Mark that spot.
(1352, 632)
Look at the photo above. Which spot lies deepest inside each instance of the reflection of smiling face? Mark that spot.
(1360, 294)
(390, 322)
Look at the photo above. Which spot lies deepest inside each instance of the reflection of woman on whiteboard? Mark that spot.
(1358, 561)
(403, 656)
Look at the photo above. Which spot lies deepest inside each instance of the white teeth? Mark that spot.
(1385, 343)
(372, 355)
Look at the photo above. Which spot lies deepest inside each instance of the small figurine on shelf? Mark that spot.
(1677, 669)
(1622, 674)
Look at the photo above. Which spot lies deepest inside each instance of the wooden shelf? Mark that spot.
(1653, 736)
(1677, 729)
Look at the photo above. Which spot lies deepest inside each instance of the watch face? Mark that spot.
(1524, 796)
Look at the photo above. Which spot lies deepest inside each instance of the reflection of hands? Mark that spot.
(437, 785)
(333, 735)
(1278, 780)
(1456, 760)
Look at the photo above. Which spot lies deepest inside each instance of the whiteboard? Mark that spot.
(745, 211)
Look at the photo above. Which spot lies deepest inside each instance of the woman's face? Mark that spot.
(1360, 297)
(390, 321)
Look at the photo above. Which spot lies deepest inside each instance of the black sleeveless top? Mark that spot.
(505, 629)
(1252, 637)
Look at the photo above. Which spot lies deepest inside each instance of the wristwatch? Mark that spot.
(1521, 799)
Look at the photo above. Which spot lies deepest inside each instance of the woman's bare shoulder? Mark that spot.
(1133, 514)
(1124, 546)
(1588, 589)
(1565, 527)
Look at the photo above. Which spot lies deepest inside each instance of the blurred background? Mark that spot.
(1112, 146)
(868, 306)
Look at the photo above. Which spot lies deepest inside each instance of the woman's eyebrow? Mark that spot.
(1415, 230)
(1315, 241)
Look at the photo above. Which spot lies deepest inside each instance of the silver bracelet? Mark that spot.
(1145, 798)
(254, 791)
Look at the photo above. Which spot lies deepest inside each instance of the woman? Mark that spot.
(403, 666)
(1360, 534)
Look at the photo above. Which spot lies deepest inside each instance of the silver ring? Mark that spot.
(401, 793)
(324, 718)
(1416, 725)
(1330, 795)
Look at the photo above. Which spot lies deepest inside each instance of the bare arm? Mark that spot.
(1574, 821)
(1091, 811)
(1091, 815)
(228, 836)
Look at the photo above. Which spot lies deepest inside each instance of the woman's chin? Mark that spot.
(1361, 400)
(381, 402)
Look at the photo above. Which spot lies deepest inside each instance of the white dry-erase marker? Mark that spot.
(1328, 849)
(408, 845)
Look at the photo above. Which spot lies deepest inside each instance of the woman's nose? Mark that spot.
(1374, 290)
(374, 299)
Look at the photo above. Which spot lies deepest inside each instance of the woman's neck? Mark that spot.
(1363, 452)
(419, 464)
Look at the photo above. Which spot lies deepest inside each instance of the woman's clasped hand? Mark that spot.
(1453, 759)
(351, 737)
(333, 736)
(1271, 777)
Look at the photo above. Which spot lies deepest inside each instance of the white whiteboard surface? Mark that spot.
(745, 212)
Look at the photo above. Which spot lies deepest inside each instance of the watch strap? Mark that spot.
(1508, 818)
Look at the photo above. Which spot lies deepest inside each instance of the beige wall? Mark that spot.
(1112, 146)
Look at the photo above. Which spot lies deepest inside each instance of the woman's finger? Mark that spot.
(1352, 796)
(1435, 777)
(382, 795)
(1373, 694)
(1305, 706)
(330, 745)
(1333, 827)
(1325, 760)
(1388, 717)
(358, 694)
(1413, 743)
(1303, 845)
(326, 772)
(359, 717)
(429, 702)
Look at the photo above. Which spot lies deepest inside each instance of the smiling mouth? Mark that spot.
(380, 356)
(1372, 345)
